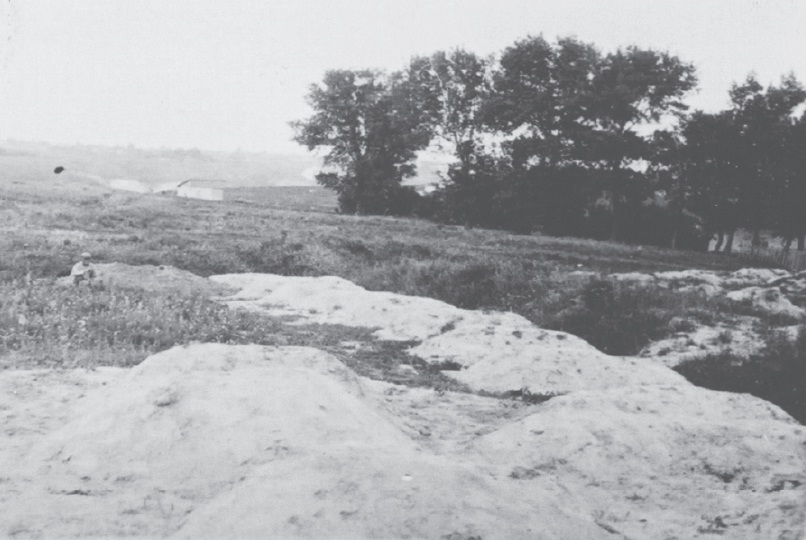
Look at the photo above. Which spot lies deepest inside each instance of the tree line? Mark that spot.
(565, 139)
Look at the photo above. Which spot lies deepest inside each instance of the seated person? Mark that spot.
(83, 270)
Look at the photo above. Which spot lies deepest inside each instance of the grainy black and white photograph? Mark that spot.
(412, 269)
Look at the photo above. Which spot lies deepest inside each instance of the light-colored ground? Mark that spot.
(215, 441)
(498, 352)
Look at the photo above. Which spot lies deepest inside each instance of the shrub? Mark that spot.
(468, 286)
(622, 319)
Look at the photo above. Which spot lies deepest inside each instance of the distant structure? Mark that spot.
(206, 190)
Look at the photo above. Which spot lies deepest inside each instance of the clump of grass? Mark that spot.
(495, 284)
(52, 325)
(526, 396)
(777, 374)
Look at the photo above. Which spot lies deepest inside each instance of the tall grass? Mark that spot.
(52, 325)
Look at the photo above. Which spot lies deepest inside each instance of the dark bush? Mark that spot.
(618, 319)
(469, 287)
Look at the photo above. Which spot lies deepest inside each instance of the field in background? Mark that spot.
(47, 225)
(157, 167)
(304, 198)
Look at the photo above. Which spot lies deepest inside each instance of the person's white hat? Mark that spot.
(86, 255)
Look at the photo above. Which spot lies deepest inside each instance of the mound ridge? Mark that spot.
(497, 352)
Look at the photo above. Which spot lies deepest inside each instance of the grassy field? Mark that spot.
(536, 276)
(46, 223)
(305, 198)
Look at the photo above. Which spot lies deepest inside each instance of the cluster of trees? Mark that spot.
(562, 138)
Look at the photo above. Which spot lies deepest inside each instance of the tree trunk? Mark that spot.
(729, 244)
(720, 240)
(615, 199)
(756, 242)
(678, 224)
(613, 236)
(787, 244)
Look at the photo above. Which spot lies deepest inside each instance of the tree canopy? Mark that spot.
(372, 126)
(564, 138)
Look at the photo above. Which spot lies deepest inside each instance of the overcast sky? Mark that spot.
(226, 75)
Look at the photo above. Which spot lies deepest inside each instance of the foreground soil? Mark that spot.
(226, 441)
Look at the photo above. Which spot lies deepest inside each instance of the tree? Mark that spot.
(742, 162)
(540, 94)
(632, 89)
(454, 87)
(372, 126)
(762, 120)
(790, 222)
(708, 167)
(568, 106)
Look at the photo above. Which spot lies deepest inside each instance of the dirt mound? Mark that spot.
(496, 352)
(333, 300)
(181, 427)
(164, 279)
(756, 293)
(216, 441)
(503, 352)
(769, 300)
(212, 441)
(383, 495)
(738, 337)
(665, 462)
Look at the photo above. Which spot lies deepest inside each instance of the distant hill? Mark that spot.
(160, 167)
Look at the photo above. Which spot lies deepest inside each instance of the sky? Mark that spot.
(218, 75)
